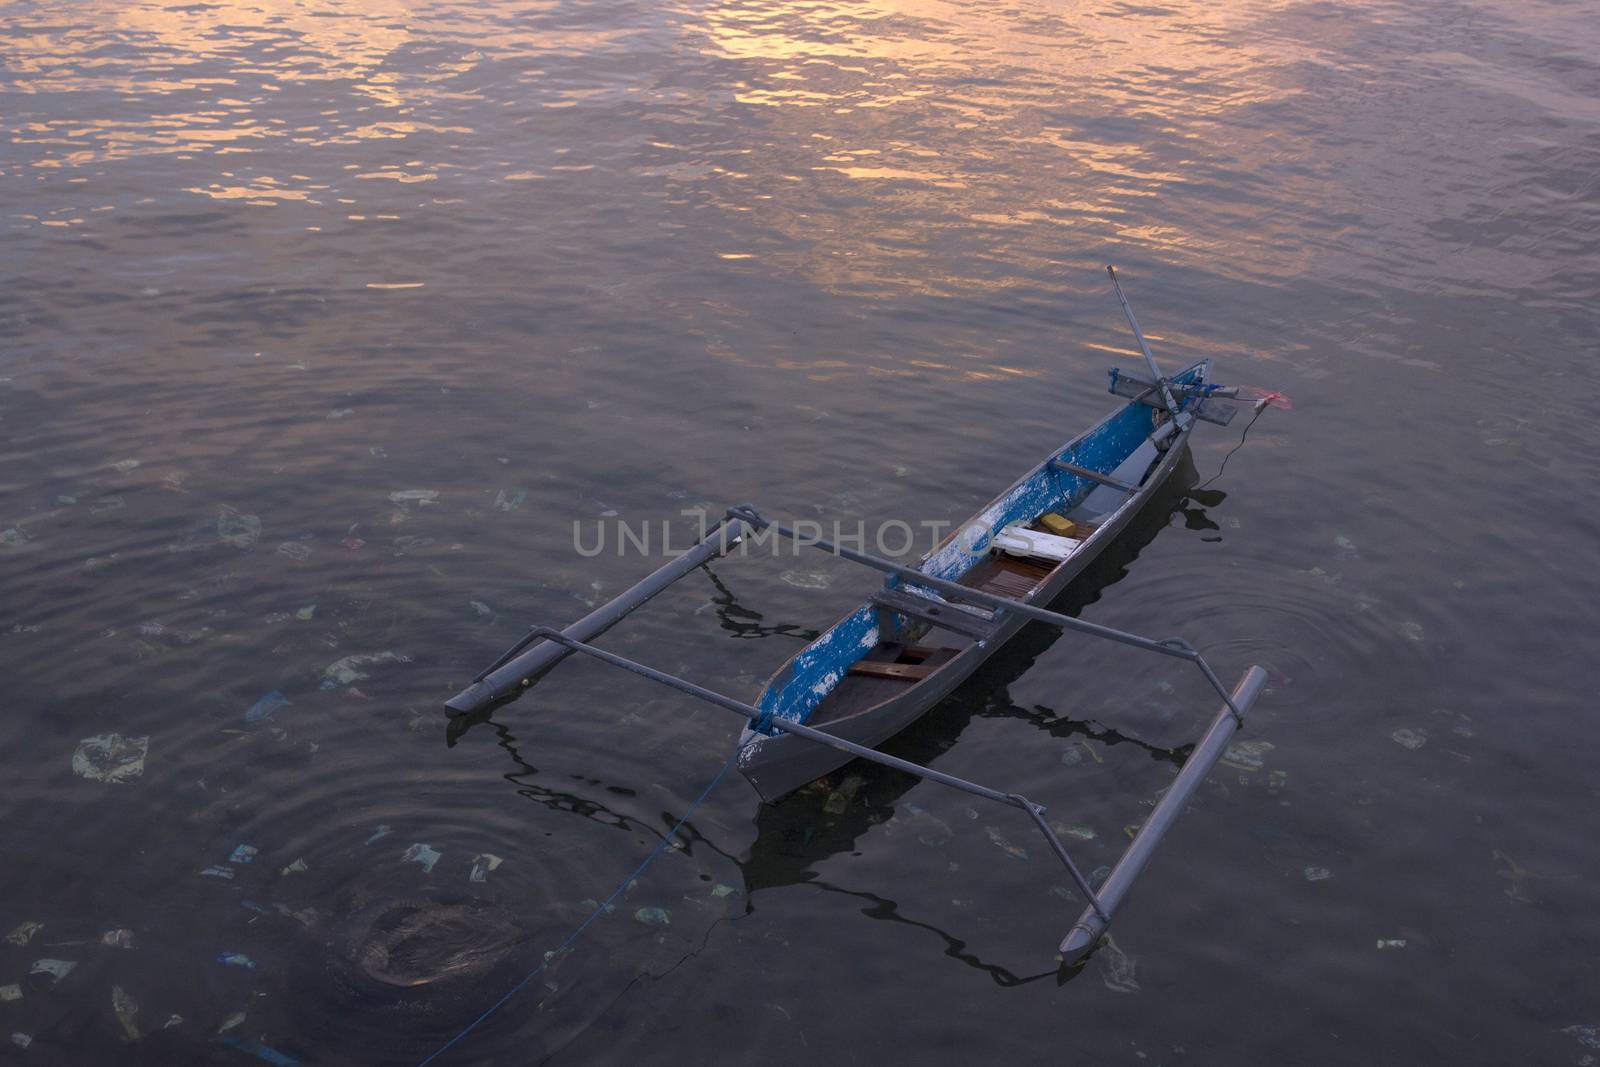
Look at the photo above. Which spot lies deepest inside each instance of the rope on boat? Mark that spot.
(602, 908)
(1259, 409)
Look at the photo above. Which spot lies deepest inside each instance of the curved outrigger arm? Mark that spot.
(543, 647)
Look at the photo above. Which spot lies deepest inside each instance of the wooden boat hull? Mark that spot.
(779, 764)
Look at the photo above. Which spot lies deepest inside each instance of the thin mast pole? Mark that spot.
(1138, 334)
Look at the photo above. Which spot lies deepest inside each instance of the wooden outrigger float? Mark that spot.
(884, 665)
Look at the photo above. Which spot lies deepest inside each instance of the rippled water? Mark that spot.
(269, 268)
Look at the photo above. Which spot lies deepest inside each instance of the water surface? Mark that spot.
(324, 323)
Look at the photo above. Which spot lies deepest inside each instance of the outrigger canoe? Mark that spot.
(933, 623)
(883, 666)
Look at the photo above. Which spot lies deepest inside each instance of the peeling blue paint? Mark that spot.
(816, 670)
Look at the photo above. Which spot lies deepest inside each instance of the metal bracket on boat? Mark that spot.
(789, 726)
(519, 665)
(1172, 646)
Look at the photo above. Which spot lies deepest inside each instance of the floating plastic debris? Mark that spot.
(807, 579)
(298, 866)
(419, 497)
(719, 890)
(127, 1010)
(105, 504)
(380, 831)
(1082, 833)
(347, 671)
(260, 1051)
(21, 1040)
(339, 413)
(294, 550)
(56, 969)
(215, 871)
(172, 1020)
(1318, 874)
(423, 856)
(1412, 629)
(482, 864)
(307, 613)
(483, 610)
(1119, 975)
(1409, 738)
(111, 758)
(1347, 548)
(10, 992)
(119, 938)
(1005, 846)
(1588, 1035)
(236, 528)
(353, 543)
(123, 466)
(653, 916)
(243, 854)
(263, 709)
(236, 959)
(24, 932)
(1247, 755)
(839, 800)
(1391, 942)
(231, 1021)
(1276, 780)
(510, 501)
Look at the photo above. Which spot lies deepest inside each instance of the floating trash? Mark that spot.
(243, 854)
(21, 1040)
(1318, 874)
(380, 831)
(807, 579)
(1588, 1035)
(110, 758)
(263, 709)
(127, 1010)
(236, 959)
(10, 992)
(347, 671)
(1082, 833)
(105, 504)
(419, 497)
(721, 890)
(1276, 780)
(653, 917)
(510, 501)
(353, 543)
(24, 932)
(1247, 755)
(215, 871)
(339, 413)
(423, 856)
(123, 466)
(298, 866)
(294, 550)
(260, 1051)
(1409, 738)
(483, 610)
(1412, 629)
(119, 938)
(236, 528)
(482, 864)
(1003, 845)
(172, 1020)
(1119, 975)
(839, 800)
(236, 1019)
(307, 613)
(56, 969)
(1391, 942)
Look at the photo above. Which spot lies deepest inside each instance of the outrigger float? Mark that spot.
(884, 665)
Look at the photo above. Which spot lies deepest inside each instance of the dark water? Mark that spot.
(267, 265)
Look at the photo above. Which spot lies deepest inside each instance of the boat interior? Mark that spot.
(897, 661)
(904, 634)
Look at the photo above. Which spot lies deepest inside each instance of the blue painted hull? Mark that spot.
(778, 764)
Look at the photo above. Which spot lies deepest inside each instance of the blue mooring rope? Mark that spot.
(600, 910)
